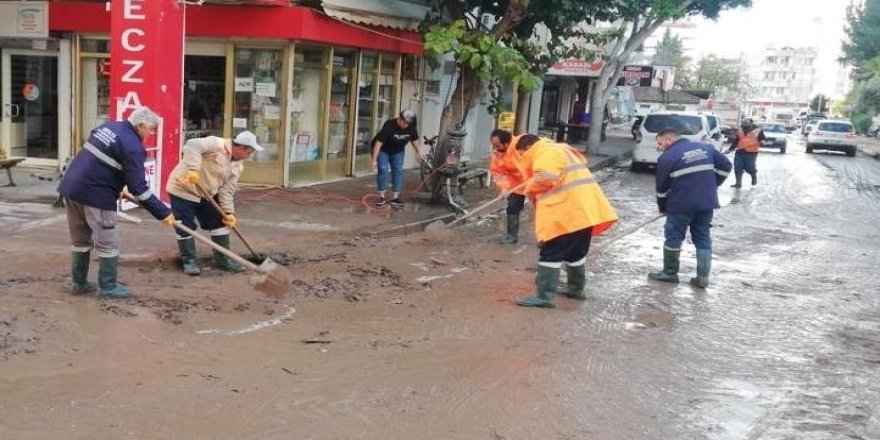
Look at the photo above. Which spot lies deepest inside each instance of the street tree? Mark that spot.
(718, 75)
(670, 52)
(819, 103)
(861, 49)
(502, 50)
(638, 20)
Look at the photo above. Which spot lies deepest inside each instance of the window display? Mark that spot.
(257, 99)
(307, 114)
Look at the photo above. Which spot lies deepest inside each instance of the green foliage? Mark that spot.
(862, 30)
(670, 52)
(716, 74)
(480, 52)
(862, 122)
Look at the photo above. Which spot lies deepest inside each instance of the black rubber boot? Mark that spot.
(671, 264)
(738, 183)
(704, 266)
(107, 279)
(754, 179)
(189, 262)
(79, 273)
(576, 287)
(546, 282)
(512, 235)
(221, 261)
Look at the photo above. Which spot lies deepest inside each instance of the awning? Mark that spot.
(386, 13)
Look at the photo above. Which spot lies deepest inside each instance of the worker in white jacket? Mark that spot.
(209, 167)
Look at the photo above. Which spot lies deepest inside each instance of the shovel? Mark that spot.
(269, 277)
(439, 228)
(220, 211)
(598, 249)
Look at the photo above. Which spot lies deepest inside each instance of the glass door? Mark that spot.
(342, 81)
(30, 105)
(307, 114)
(257, 104)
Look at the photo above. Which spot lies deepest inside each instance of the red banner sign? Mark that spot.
(146, 69)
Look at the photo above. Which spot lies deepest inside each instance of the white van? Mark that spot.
(690, 125)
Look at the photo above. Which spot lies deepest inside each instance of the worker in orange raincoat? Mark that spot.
(505, 170)
(570, 209)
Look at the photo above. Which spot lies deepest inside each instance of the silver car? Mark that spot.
(776, 134)
(833, 135)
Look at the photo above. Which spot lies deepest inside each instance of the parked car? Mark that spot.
(833, 135)
(689, 125)
(776, 134)
(812, 119)
(809, 127)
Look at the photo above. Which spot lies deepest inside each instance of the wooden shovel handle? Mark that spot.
(485, 205)
(238, 258)
(220, 211)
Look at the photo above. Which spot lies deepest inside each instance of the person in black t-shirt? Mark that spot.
(389, 147)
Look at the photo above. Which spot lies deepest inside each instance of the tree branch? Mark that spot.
(516, 12)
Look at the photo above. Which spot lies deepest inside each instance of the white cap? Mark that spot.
(247, 139)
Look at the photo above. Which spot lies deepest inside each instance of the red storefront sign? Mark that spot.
(147, 70)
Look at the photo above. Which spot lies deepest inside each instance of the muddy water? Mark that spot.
(417, 337)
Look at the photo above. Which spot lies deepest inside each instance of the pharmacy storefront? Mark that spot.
(314, 90)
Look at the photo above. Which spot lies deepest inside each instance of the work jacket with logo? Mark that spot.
(111, 159)
(688, 176)
(505, 168)
(218, 174)
(566, 195)
(749, 142)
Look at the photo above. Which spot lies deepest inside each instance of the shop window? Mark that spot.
(203, 95)
(257, 98)
(307, 114)
(341, 82)
(93, 94)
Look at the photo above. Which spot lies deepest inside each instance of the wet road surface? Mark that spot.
(418, 338)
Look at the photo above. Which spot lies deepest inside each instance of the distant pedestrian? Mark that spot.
(209, 167)
(389, 148)
(111, 159)
(688, 176)
(747, 143)
(507, 175)
(570, 209)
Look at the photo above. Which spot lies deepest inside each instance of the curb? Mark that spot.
(608, 161)
(875, 155)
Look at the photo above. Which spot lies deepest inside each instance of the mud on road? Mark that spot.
(417, 337)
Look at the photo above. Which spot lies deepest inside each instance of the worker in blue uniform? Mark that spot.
(111, 159)
(688, 176)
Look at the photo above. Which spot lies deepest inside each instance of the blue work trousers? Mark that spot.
(699, 223)
(747, 162)
(390, 162)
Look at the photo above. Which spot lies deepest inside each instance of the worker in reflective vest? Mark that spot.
(507, 175)
(570, 209)
(747, 142)
(111, 159)
(688, 176)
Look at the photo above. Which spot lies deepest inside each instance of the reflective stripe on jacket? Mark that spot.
(505, 168)
(749, 142)
(568, 199)
(218, 174)
(688, 176)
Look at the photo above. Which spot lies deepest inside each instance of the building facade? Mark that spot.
(782, 78)
(314, 84)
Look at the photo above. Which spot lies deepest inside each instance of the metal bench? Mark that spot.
(8, 165)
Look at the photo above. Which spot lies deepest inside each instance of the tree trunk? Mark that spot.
(523, 102)
(466, 96)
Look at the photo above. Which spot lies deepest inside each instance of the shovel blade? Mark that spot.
(272, 279)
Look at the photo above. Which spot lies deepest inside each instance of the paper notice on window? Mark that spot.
(239, 122)
(271, 112)
(244, 85)
(266, 89)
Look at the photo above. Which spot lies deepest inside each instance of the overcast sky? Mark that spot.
(797, 23)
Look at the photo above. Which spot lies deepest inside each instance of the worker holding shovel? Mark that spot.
(507, 175)
(570, 209)
(207, 176)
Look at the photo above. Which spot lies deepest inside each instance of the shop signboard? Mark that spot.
(636, 76)
(24, 19)
(506, 121)
(146, 69)
(577, 67)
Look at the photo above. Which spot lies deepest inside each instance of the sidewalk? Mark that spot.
(870, 147)
(336, 206)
